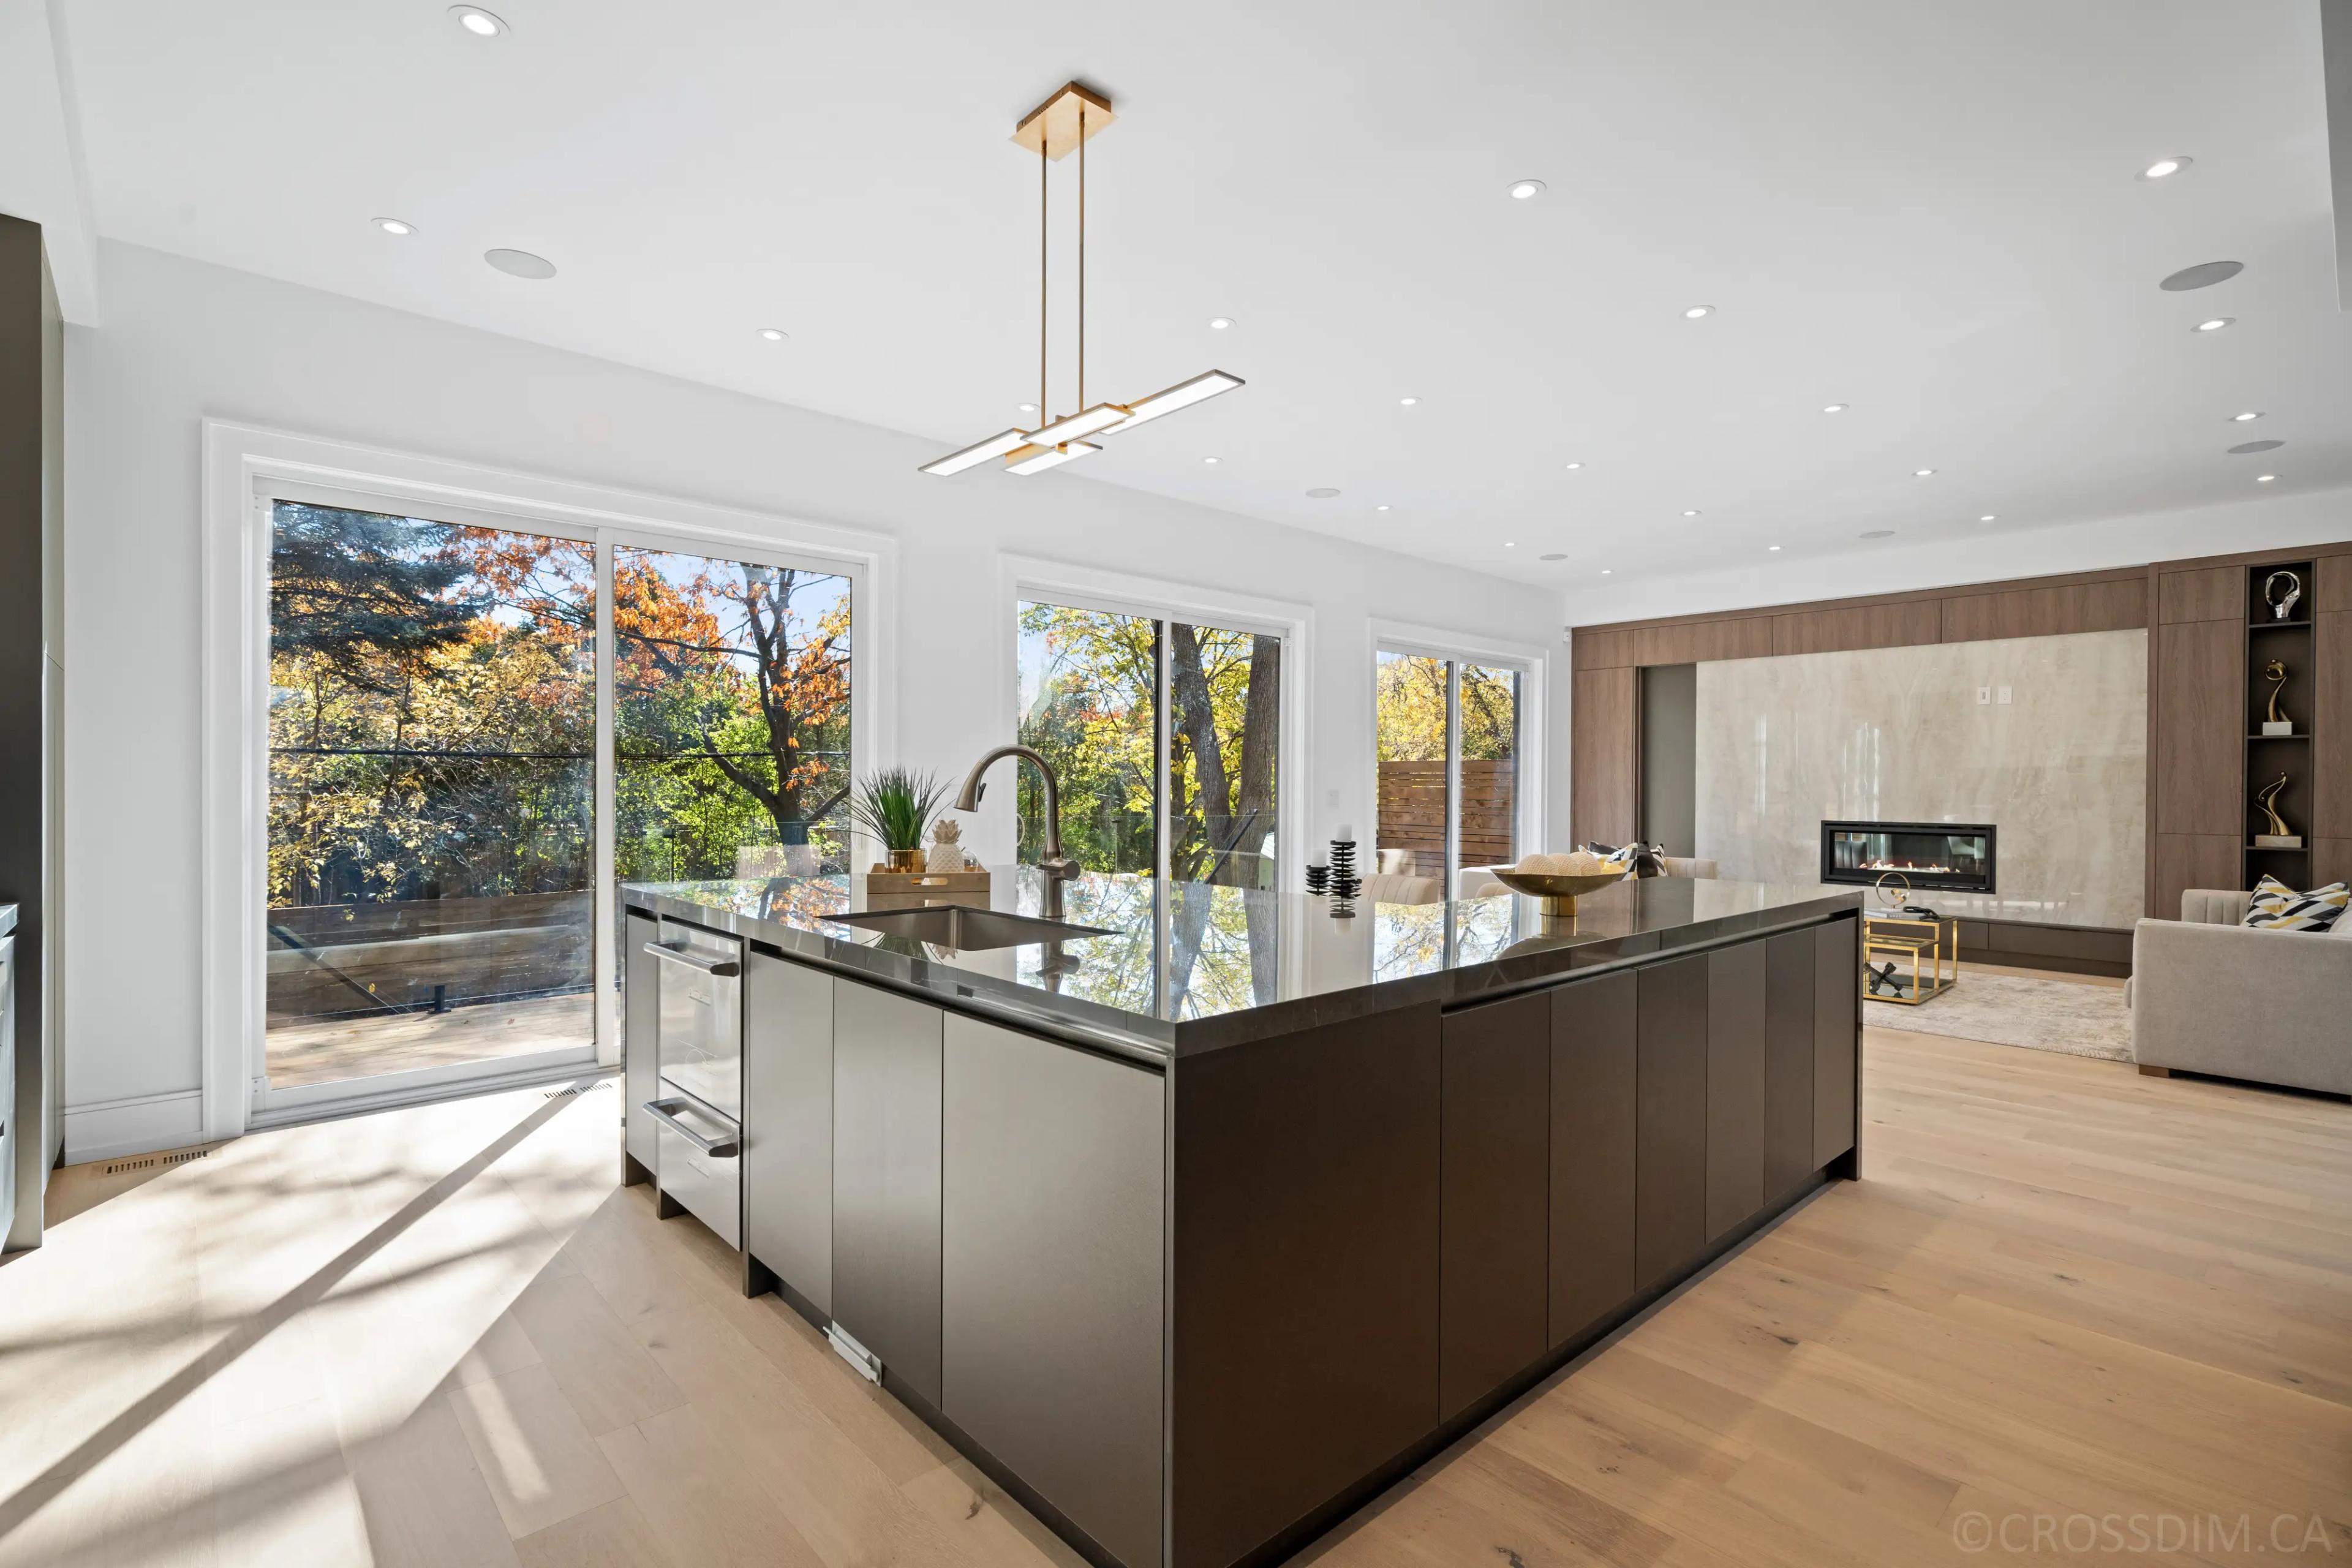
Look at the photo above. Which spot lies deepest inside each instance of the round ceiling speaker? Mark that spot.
(2247, 448)
(2204, 275)
(521, 264)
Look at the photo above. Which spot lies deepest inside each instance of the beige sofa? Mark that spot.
(2208, 994)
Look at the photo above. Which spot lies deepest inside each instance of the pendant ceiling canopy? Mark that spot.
(1061, 125)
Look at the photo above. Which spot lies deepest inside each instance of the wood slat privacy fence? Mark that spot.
(1413, 813)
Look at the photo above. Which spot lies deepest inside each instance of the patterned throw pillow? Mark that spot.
(2277, 907)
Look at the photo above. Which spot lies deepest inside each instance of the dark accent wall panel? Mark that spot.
(1735, 1086)
(1787, 1060)
(1495, 1290)
(2199, 725)
(1837, 1000)
(1305, 1263)
(1670, 1131)
(1594, 1059)
(1605, 726)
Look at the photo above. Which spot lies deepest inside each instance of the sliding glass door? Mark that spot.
(449, 797)
(1166, 736)
(432, 802)
(1447, 739)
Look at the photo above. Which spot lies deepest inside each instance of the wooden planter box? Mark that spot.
(919, 889)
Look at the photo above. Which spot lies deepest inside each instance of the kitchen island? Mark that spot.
(1198, 1231)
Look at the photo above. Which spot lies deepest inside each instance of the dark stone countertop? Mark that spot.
(1189, 967)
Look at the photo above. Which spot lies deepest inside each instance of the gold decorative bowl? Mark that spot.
(1559, 893)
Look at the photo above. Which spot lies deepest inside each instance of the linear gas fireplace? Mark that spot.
(1955, 856)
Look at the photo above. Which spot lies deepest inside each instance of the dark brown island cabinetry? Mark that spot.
(1194, 1302)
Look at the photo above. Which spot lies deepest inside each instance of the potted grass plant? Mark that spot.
(895, 805)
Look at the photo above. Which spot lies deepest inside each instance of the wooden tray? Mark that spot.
(919, 889)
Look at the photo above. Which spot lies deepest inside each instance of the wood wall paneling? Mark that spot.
(1593, 1077)
(2330, 718)
(2198, 722)
(1604, 789)
(2185, 860)
(2202, 594)
(1670, 1132)
(2331, 862)
(1787, 1061)
(1735, 1086)
(2046, 612)
(1857, 626)
(1494, 1283)
(1693, 642)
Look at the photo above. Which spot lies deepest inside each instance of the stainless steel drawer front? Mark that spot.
(695, 1166)
(701, 1016)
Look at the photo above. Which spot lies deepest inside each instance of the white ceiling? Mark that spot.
(1927, 212)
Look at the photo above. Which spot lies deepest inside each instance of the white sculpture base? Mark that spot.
(2278, 727)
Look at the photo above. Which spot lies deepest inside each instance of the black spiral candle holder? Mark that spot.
(1318, 877)
(1345, 884)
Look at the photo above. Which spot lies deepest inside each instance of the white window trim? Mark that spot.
(1532, 661)
(239, 460)
(1031, 578)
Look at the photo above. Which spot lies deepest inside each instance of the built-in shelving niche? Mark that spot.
(2267, 756)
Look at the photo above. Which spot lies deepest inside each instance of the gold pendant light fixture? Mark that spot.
(1055, 128)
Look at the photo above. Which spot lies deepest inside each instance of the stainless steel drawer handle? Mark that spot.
(725, 968)
(717, 1148)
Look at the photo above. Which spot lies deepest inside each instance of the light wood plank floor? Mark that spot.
(335, 1050)
(443, 1337)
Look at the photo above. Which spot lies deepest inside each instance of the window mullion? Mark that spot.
(607, 902)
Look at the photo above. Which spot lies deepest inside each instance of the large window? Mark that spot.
(1448, 746)
(432, 816)
(435, 734)
(1166, 737)
(731, 688)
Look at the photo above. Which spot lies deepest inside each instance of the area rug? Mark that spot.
(2015, 1010)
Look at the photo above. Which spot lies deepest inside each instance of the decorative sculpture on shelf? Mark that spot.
(2276, 723)
(2280, 608)
(2279, 837)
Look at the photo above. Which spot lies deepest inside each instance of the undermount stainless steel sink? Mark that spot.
(971, 930)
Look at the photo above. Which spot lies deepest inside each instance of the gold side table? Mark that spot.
(1929, 946)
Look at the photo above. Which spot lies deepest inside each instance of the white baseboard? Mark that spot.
(109, 1129)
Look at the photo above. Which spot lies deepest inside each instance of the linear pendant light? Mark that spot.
(1061, 124)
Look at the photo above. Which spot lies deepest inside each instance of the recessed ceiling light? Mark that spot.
(1604, 570)
(1771, 547)
(2242, 418)
(1880, 533)
(1322, 492)
(395, 225)
(1922, 473)
(2248, 448)
(1555, 555)
(2204, 275)
(1690, 514)
(1523, 189)
(2165, 168)
(1696, 311)
(1220, 323)
(2265, 478)
(2216, 324)
(1510, 545)
(1212, 459)
(1572, 465)
(521, 264)
(480, 23)
(775, 334)
(1028, 408)
(1834, 408)
(1382, 508)
(1408, 402)
(1986, 518)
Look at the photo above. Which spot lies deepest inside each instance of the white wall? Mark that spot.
(183, 340)
(2269, 522)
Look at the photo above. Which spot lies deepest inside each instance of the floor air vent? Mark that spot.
(572, 1089)
(153, 1161)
